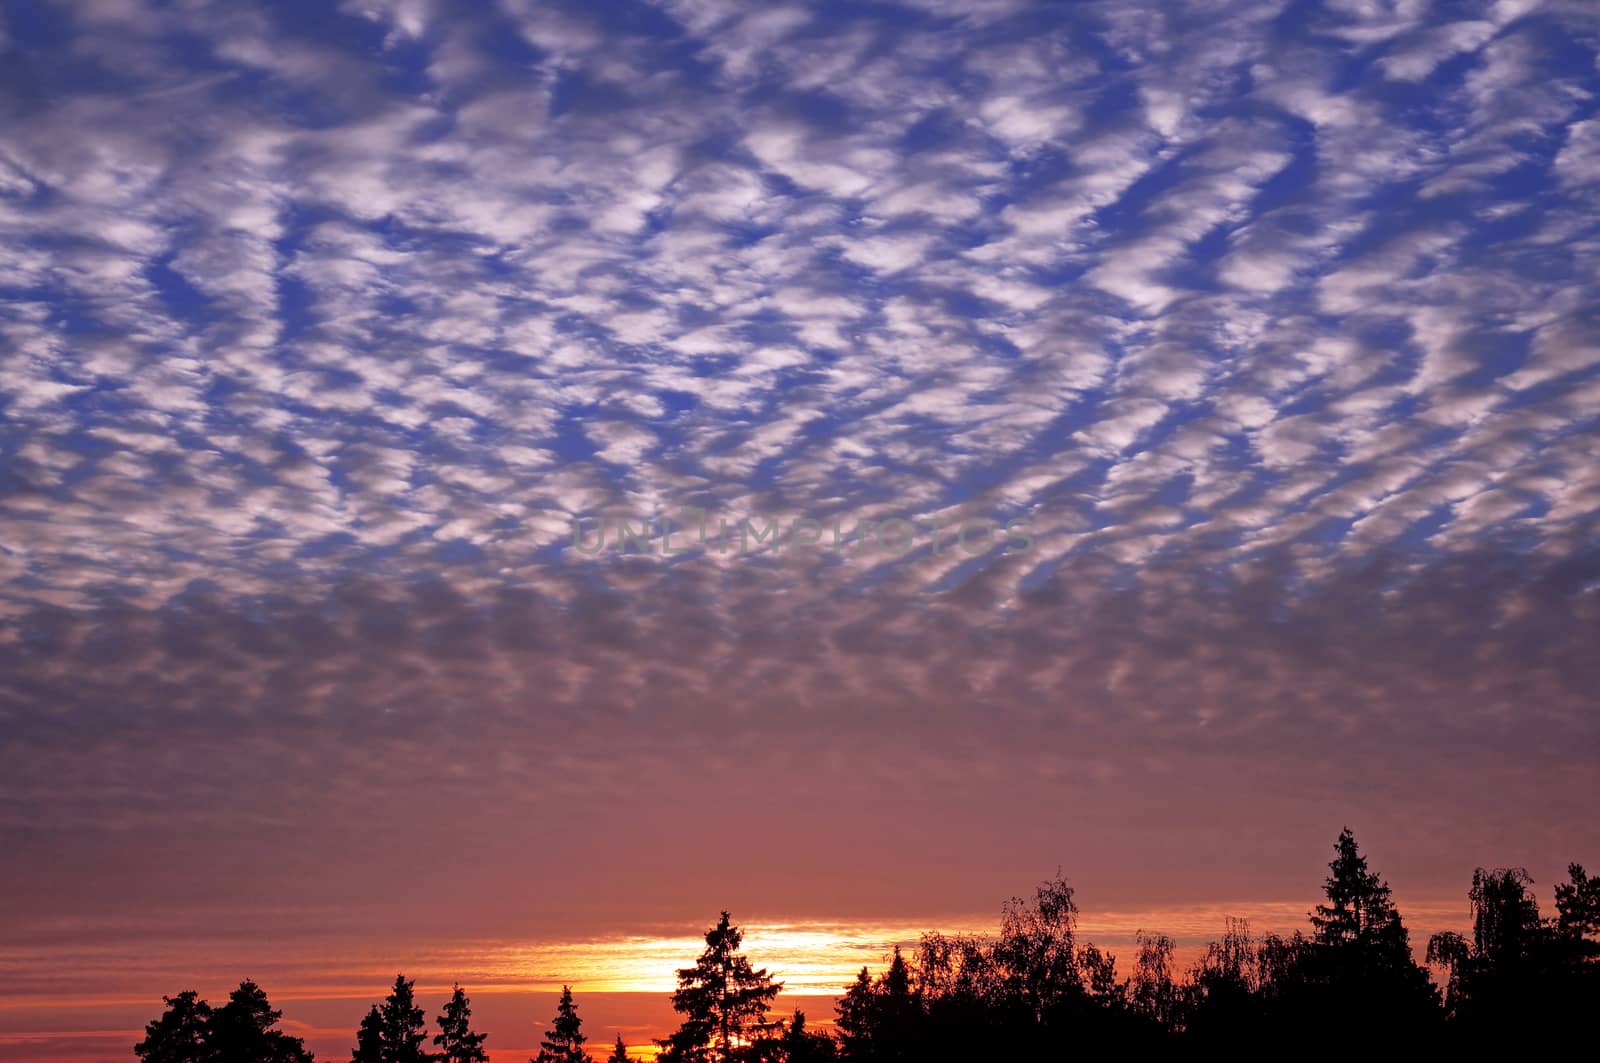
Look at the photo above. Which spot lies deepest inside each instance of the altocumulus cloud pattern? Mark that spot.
(1276, 321)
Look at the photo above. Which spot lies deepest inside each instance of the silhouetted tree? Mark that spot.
(1044, 987)
(1223, 986)
(1357, 963)
(1099, 970)
(1523, 983)
(1358, 900)
(959, 967)
(1022, 995)
(1578, 911)
(1278, 959)
(1152, 993)
(855, 1026)
(1506, 980)
(960, 989)
(181, 1034)
(1578, 941)
(395, 1031)
(1036, 955)
(724, 1002)
(799, 1045)
(456, 1041)
(880, 1021)
(369, 1038)
(1506, 924)
(563, 1042)
(242, 1031)
(619, 1054)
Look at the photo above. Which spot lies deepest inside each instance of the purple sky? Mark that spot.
(1270, 327)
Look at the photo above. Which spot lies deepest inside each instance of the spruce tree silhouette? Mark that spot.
(455, 1040)
(619, 1053)
(563, 1042)
(369, 1038)
(881, 1020)
(1358, 900)
(856, 1027)
(1356, 964)
(395, 1031)
(799, 1045)
(724, 1003)
(180, 1035)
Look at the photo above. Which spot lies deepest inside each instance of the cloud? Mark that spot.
(1276, 333)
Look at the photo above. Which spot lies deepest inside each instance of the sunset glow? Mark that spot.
(490, 487)
(628, 976)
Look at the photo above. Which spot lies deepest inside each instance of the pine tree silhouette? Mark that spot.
(181, 1034)
(242, 1031)
(456, 1041)
(563, 1042)
(1578, 908)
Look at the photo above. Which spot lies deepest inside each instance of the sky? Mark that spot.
(1144, 437)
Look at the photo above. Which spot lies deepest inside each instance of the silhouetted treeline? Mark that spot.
(241, 1031)
(1349, 982)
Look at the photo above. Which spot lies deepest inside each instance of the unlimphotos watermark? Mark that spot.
(895, 536)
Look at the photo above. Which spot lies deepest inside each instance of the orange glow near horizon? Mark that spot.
(621, 982)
